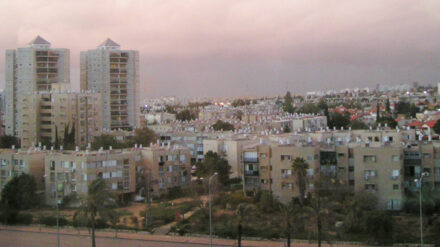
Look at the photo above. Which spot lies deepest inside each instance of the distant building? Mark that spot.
(46, 116)
(32, 69)
(115, 74)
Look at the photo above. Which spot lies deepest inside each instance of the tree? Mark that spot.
(310, 108)
(387, 105)
(287, 105)
(299, 167)
(339, 120)
(286, 128)
(289, 213)
(240, 213)
(214, 163)
(185, 115)
(356, 208)
(104, 141)
(377, 112)
(324, 108)
(8, 141)
(358, 125)
(380, 224)
(221, 125)
(389, 121)
(69, 137)
(437, 127)
(143, 136)
(413, 110)
(98, 202)
(239, 114)
(19, 194)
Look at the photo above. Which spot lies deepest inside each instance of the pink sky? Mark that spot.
(206, 47)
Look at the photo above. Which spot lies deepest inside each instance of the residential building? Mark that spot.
(168, 166)
(46, 116)
(31, 69)
(69, 173)
(14, 162)
(115, 74)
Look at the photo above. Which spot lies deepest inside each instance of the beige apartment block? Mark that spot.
(379, 170)
(72, 172)
(34, 68)
(46, 116)
(115, 74)
(230, 148)
(15, 162)
(257, 168)
(167, 166)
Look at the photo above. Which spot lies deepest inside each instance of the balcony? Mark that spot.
(251, 173)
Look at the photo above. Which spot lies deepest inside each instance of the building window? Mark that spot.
(395, 187)
(395, 158)
(369, 158)
(285, 157)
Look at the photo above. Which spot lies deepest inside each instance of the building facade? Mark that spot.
(46, 116)
(32, 69)
(115, 74)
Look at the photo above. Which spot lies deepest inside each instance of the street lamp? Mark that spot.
(210, 209)
(420, 181)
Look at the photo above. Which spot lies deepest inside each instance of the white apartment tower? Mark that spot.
(31, 69)
(115, 74)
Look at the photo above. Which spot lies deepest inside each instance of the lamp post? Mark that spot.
(424, 174)
(210, 208)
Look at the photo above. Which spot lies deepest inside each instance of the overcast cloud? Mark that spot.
(225, 47)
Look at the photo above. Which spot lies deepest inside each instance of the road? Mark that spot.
(35, 239)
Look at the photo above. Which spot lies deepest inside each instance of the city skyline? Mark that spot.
(196, 48)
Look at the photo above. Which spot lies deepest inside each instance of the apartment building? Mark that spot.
(71, 172)
(15, 162)
(34, 68)
(167, 167)
(382, 162)
(231, 148)
(115, 74)
(47, 115)
(192, 140)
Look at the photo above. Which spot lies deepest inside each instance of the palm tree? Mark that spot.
(300, 166)
(240, 213)
(99, 202)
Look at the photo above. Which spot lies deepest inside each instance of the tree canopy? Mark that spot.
(212, 163)
(20, 193)
(287, 105)
(7, 141)
(221, 125)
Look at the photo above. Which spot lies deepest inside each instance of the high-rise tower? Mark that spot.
(34, 68)
(115, 74)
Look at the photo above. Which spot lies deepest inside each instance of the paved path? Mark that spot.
(31, 236)
(165, 229)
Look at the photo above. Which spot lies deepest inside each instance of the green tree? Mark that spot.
(98, 203)
(324, 108)
(18, 194)
(377, 112)
(402, 107)
(340, 120)
(356, 209)
(380, 224)
(185, 115)
(288, 101)
(387, 106)
(221, 125)
(143, 136)
(437, 127)
(104, 141)
(310, 108)
(289, 213)
(413, 110)
(299, 167)
(7, 141)
(389, 121)
(358, 125)
(286, 128)
(214, 163)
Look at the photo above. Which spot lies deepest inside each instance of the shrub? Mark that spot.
(52, 221)
(23, 219)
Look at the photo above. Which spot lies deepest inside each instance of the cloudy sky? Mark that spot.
(249, 47)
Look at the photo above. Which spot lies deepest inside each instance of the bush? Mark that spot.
(23, 219)
(52, 221)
